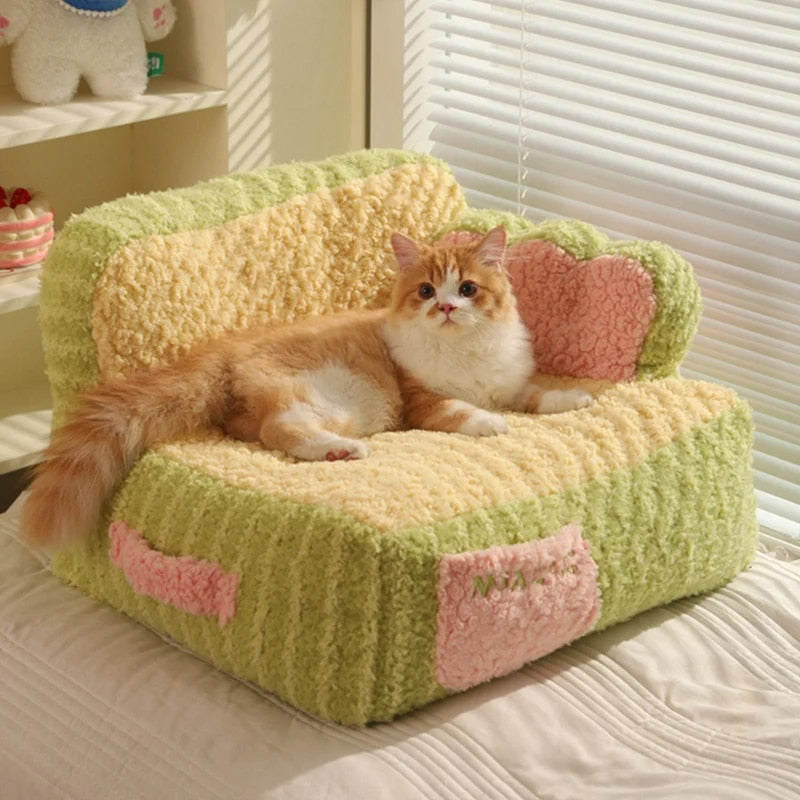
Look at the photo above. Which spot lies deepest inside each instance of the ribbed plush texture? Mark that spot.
(341, 607)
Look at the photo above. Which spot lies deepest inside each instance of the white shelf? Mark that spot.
(45, 146)
(23, 438)
(19, 289)
(24, 123)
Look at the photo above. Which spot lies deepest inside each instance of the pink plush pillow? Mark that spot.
(588, 319)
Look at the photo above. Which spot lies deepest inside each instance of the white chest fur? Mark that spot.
(489, 365)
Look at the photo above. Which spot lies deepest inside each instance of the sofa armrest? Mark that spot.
(597, 308)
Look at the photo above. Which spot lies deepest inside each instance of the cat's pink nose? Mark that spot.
(447, 308)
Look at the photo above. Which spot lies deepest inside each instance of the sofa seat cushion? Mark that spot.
(360, 590)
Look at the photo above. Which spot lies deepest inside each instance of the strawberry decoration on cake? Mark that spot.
(26, 227)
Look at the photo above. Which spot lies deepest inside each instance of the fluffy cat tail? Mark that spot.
(113, 424)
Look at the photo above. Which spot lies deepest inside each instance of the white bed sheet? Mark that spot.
(697, 700)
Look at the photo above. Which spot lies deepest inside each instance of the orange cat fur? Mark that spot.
(446, 355)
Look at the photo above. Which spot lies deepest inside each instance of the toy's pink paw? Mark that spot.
(14, 18)
(156, 22)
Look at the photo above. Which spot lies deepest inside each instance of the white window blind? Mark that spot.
(677, 121)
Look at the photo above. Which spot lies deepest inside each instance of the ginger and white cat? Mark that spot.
(448, 353)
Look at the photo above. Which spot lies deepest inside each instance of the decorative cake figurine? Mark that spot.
(26, 228)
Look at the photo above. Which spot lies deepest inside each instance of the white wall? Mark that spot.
(399, 83)
(296, 79)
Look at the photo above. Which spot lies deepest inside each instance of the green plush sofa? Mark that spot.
(360, 590)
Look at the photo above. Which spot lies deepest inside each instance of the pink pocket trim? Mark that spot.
(503, 607)
(190, 584)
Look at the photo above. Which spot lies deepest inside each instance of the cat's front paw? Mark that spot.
(483, 423)
(555, 401)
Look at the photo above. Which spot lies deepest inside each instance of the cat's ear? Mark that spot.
(406, 251)
(492, 248)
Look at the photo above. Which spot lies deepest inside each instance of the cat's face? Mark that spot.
(452, 289)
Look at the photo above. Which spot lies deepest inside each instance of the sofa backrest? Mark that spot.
(136, 282)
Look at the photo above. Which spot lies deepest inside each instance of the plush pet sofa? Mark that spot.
(360, 590)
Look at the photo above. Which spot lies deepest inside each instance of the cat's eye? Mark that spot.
(468, 289)
(426, 291)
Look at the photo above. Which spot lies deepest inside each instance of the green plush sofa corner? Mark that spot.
(358, 591)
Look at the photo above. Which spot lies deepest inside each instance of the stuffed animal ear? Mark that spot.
(492, 248)
(406, 251)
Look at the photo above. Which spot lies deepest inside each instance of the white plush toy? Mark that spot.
(55, 42)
